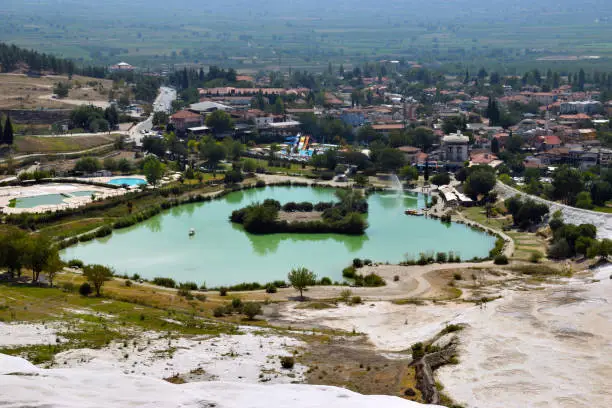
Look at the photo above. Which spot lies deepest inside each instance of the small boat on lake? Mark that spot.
(191, 232)
(414, 212)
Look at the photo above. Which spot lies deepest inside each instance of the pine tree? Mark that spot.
(494, 146)
(426, 171)
(8, 131)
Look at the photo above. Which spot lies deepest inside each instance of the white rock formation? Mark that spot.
(23, 384)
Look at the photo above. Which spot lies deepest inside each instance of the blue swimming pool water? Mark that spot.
(130, 181)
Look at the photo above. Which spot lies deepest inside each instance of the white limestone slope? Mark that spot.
(22, 384)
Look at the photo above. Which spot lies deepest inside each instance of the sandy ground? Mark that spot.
(31, 386)
(26, 334)
(251, 357)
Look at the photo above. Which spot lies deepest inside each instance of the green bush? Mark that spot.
(355, 300)
(418, 351)
(535, 257)
(345, 295)
(222, 291)
(441, 257)
(76, 263)
(270, 288)
(251, 309)
(349, 272)
(373, 280)
(325, 281)
(219, 311)
(85, 289)
(287, 362)
(357, 263)
(165, 282)
(237, 303)
(501, 260)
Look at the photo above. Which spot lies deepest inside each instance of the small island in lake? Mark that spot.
(342, 217)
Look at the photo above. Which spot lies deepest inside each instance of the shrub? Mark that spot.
(287, 362)
(69, 287)
(189, 286)
(219, 311)
(327, 175)
(441, 257)
(535, 257)
(325, 281)
(501, 260)
(355, 300)
(373, 280)
(345, 295)
(128, 283)
(357, 263)
(75, 263)
(349, 272)
(184, 292)
(260, 184)
(271, 288)
(396, 278)
(367, 262)
(457, 276)
(237, 303)
(165, 282)
(201, 297)
(418, 351)
(251, 309)
(85, 289)
(222, 291)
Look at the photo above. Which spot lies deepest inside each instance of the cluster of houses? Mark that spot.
(562, 132)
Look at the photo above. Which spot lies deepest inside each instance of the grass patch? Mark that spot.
(60, 144)
(410, 301)
(12, 203)
(539, 270)
(316, 306)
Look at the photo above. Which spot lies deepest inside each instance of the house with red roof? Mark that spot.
(549, 142)
(185, 119)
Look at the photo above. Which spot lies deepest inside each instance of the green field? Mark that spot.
(309, 35)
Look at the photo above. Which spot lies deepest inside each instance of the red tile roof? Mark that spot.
(185, 114)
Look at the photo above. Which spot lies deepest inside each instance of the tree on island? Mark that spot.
(300, 278)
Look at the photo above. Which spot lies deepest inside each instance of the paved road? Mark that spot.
(163, 103)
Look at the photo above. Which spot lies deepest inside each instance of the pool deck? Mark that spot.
(16, 192)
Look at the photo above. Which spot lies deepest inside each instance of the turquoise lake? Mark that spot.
(222, 253)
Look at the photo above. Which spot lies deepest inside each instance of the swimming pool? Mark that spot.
(85, 193)
(129, 181)
(35, 201)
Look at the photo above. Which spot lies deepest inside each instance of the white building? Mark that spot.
(455, 147)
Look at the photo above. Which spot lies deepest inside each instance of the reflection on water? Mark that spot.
(154, 224)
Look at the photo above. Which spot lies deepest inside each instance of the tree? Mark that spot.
(423, 137)
(54, 266)
(220, 121)
(495, 146)
(300, 278)
(153, 170)
(479, 182)
(567, 183)
(249, 165)
(390, 159)
(97, 275)
(124, 165)
(160, 118)
(61, 89)
(8, 132)
(112, 116)
(87, 165)
(13, 247)
(583, 200)
(409, 173)
(493, 112)
(85, 289)
(124, 102)
(41, 254)
(213, 153)
(441, 179)
(251, 309)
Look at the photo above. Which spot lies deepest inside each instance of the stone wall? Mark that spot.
(571, 215)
